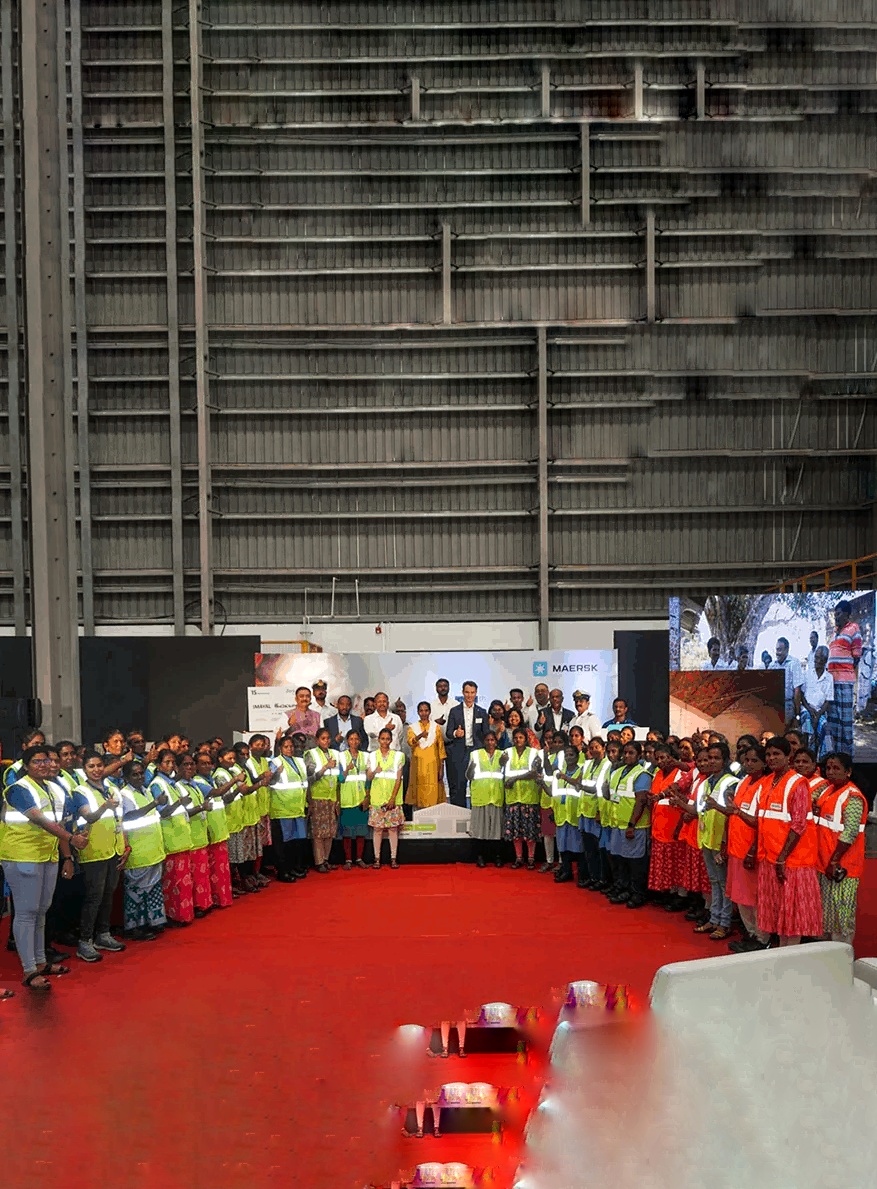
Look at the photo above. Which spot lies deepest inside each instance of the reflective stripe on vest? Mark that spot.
(198, 821)
(829, 827)
(710, 823)
(353, 783)
(565, 798)
(105, 834)
(384, 770)
(595, 778)
(774, 821)
(143, 833)
(485, 787)
(522, 792)
(23, 841)
(325, 787)
(175, 829)
(623, 797)
(289, 789)
(233, 810)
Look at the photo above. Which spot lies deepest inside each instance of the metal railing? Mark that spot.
(848, 575)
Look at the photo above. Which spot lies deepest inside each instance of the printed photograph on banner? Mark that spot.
(820, 642)
(734, 703)
(410, 677)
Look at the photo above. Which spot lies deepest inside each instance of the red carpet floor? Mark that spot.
(261, 1046)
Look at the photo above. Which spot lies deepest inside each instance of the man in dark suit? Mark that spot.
(557, 717)
(467, 726)
(341, 723)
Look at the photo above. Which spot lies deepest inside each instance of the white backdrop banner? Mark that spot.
(411, 676)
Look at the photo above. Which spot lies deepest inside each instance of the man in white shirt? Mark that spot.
(537, 715)
(442, 705)
(794, 678)
(321, 706)
(584, 717)
(375, 723)
(714, 648)
(816, 693)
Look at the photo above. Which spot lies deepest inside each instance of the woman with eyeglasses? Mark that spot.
(33, 809)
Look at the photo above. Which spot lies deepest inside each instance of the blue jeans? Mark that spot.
(721, 907)
(32, 886)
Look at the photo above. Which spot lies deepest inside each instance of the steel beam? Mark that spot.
(542, 469)
(13, 360)
(53, 572)
(651, 300)
(700, 89)
(585, 171)
(202, 345)
(447, 296)
(173, 313)
(80, 320)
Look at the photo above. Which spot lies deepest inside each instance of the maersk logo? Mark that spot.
(540, 668)
(574, 668)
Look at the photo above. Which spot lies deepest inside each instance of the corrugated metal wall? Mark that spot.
(396, 196)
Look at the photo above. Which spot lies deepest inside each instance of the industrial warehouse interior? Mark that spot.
(438, 452)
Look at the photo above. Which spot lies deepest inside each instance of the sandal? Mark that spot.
(348, 865)
(361, 863)
(55, 969)
(720, 934)
(394, 864)
(531, 866)
(707, 927)
(376, 866)
(418, 1134)
(30, 980)
(4, 994)
(518, 863)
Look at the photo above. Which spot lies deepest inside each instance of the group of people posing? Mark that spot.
(768, 832)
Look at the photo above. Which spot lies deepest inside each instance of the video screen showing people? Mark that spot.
(822, 642)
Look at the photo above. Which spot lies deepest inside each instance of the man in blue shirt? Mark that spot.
(621, 712)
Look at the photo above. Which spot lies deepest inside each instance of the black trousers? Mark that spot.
(100, 879)
(458, 762)
(63, 917)
(285, 853)
(591, 855)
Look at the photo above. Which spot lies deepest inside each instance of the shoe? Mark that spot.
(676, 904)
(479, 862)
(706, 927)
(583, 883)
(104, 941)
(200, 912)
(546, 867)
(620, 898)
(517, 865)
(53, 955)
(324, 869)
(498, 863)
(302, 874)
(720, 934)
(87, 952)
(531, 866)
(745, 945)
(563, 877)
(693, 914)
(636, 902)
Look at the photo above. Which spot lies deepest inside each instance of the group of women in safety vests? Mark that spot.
(186, 832)
(768, 837)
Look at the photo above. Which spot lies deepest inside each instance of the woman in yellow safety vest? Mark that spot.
(354, 817)
(218, 796)
(199, 865)
(564, 787)
(99, 813)
(629, 820)
(288, 810)
(323, 765)
(31, 832)
(176, 875)
(521, 771)
(385, 771)
(487, 797)
(144, 903)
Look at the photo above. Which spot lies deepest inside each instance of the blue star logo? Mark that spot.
(540, 668)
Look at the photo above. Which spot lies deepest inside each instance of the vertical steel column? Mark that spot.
(650, 266)
(585, 174)
(415, 97)
(700, 89)
(546, 91)
(638, 89)
(45, 185)
(173, 313)
(202, 346)
(447, 304)
(542, 441)
(13, 361)
(80, 318)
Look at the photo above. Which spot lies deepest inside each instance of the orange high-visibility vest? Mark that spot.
(774, 821)
(829, 826)
(741, 836)
(665, 817)
(688, 833)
